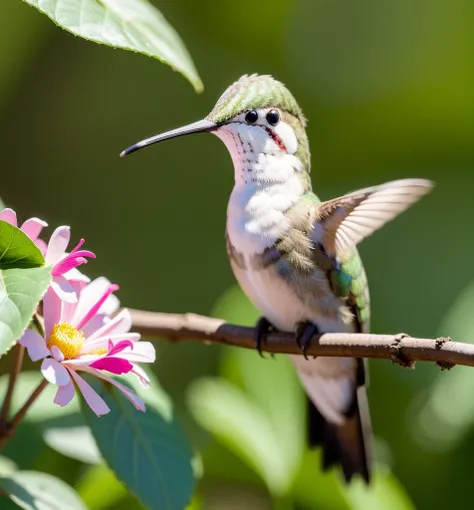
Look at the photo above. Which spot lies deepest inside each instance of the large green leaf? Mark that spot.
(20, 292)
(17, 250)
(134, 25)
(33, 490)
(147, 451)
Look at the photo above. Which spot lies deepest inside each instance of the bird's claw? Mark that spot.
(262, 328)
(304, 333)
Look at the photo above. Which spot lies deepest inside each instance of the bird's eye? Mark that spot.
(273, 117)
(251, 117)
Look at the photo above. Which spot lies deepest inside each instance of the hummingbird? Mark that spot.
(296, 257)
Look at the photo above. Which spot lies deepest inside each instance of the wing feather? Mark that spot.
(349, 219)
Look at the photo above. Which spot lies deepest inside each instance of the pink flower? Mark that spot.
(63, 264)
(83, 337)
(32, 227)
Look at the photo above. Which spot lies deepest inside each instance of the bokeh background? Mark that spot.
(388, 88)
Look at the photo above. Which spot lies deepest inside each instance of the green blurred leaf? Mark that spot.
(147, 451)
(17, 250)
(243, 426)
(111, 490)
(441, 421)
(20, 292)
(7, 466)
(384, 492)
(134, 25)
(270, 382)
(33, 490)
(2, 205)
(43, 408)
(74, 442)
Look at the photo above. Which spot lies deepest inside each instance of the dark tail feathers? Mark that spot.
(347, 444)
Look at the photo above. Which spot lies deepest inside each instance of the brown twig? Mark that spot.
(7, 432)
(400, 348)
(14, 371)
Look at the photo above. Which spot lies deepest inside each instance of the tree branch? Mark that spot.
(401, 348)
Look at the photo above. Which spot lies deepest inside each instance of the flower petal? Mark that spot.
(65, 394)
(102, 342)
(57, 244)
(93, 399)
(89, 297)
(64, 289)
(33, 227)
(141, 375)
(9, 215)
(143, 352)
(43, 247)
(134, 398)
(57, 353)
(94, 310)
(52, 310)
(113, 365)
(54, 372)
(35, 345)
(121, 323)
(75, 274)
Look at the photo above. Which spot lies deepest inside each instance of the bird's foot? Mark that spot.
(262, 328)
(304, 333)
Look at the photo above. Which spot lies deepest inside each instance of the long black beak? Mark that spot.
(201, 126)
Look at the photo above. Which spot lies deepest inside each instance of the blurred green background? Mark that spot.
(388, 88)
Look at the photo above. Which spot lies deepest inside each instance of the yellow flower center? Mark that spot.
(67, 339)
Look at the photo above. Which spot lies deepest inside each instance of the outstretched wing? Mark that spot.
(340, 224)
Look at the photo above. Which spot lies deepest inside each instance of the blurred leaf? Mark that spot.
(74, 442)
(43, 408)
(7, 466)
(17, 250)
(271, 382)
(33, 490)
(20, 292)
(384, 492)
(111, 490)
(440, 421)
(243, 426)
(2, 205)
(318, 489)
(134, 25)
(147, 451)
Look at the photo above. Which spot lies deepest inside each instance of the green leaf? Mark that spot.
(43, 408)
(245, 428)
(20, 292)
(384, 492)
(134, 25)
(111, 490)
(147, 451)
(271, 382)
(7, 466)
(441, 422)
(17, 250)
(75, 442)
(33, 490)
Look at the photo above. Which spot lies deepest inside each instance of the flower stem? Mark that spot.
(21, 413)
(7, 429)
(14, 371)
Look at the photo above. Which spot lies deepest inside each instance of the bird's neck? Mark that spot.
(266, 188)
